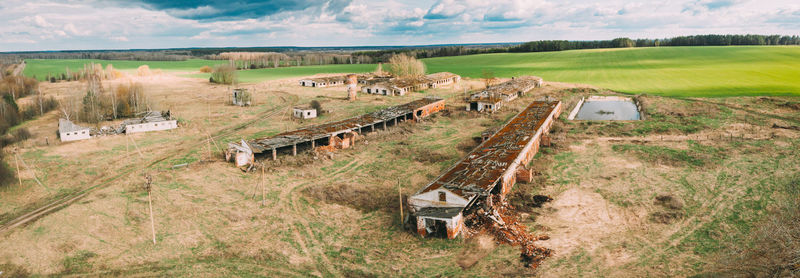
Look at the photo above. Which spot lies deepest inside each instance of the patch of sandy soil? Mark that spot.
(582, 219)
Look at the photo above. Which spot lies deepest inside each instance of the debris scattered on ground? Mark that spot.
(500, 220)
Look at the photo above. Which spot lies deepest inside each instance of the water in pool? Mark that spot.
(608, 110)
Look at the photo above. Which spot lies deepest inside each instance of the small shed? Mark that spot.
(68, 131)
(304, 112)
(150, 121)
(240, 97)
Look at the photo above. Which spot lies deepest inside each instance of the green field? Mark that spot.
(41, 67)
(671, 71)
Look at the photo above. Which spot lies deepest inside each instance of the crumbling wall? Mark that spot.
(425, 111)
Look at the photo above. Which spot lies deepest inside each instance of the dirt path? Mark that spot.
(182, 148)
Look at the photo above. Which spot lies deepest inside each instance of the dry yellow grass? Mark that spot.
(210, 219)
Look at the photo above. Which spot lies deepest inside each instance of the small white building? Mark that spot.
(323, 82)
(305, 112)
(152, 121)
(240, 97)
(68, 131)
(383, 88)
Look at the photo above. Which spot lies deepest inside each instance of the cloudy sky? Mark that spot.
(27, 25)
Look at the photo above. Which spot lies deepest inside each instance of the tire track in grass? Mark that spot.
(181, 148)
(306, 239)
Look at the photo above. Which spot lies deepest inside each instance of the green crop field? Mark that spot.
(41, 67)
(672, 71)
(707, 71)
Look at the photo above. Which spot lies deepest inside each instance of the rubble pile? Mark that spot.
(501, 221)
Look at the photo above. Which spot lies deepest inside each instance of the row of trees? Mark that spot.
(151, 55)
(561, 45)
(259, 60)
(97, 105)
(11, 89)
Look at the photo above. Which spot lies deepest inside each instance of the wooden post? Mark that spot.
(313, 142)
(150, 202)
(294, 149)
(263, 188)
(274, 154)
(384, 125)
(400, 197)
(19, 177)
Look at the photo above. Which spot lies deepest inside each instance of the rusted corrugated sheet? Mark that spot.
(513, 145)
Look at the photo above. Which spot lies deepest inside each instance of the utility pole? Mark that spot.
(148, 187)
(400, 197)
(19, 177)
(263, 187)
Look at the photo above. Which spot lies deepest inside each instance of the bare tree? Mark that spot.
(403, 65)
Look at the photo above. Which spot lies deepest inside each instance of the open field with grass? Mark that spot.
(669, 71)
(41, 67)
(720, 161)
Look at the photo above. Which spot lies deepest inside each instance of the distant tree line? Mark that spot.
(151, 55)
(561, 45)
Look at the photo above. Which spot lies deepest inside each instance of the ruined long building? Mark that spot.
(338, 134)
(493, 97)
(491, 169)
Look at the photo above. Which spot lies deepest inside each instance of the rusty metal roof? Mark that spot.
(481, 169)
(329, 129)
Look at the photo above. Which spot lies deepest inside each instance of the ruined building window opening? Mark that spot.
(442, 197)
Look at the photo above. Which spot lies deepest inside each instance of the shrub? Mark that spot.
(224, 74)
(317, 106)
(6, 174)
(205, 69)
(143, 70)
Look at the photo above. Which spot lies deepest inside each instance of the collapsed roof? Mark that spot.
(65, 126)
(479, 172)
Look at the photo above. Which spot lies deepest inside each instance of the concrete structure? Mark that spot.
(352, 87)
(401, 86)
(68, 131)
(304, 112)
(323, 82)
(491, 169)
(240, 97)
(493, 97)
(151, 121)
(338, 134)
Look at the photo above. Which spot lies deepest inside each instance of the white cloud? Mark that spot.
(91, 24)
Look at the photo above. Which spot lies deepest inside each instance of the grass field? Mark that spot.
(41, 67)
(669, 71)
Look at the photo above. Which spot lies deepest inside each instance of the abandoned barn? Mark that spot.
(492, 98)
(68, 131)
(150, 121)
(334, 135)
(323, 82)
(491, 169)
(401, 86)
